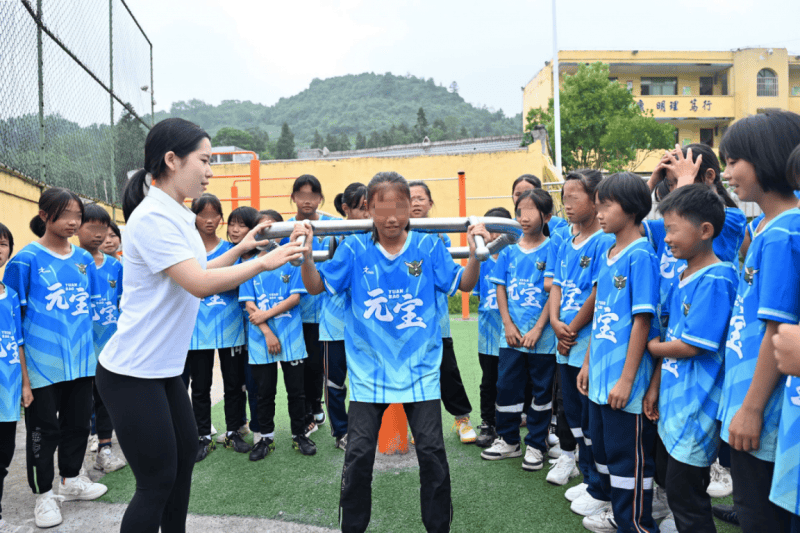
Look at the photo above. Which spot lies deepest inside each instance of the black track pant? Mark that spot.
(454, 397)
(314, 371)
(266, 377)
(752, 481)
(59, 417)
(8, 433)
(488, 387)
(200, 365)
(157, 433)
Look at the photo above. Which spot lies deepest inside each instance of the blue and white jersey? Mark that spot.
(786, 477)
(106, 307)
(522, 273)
(10, 342)
(58, 293)
(331, 322)
(557, 239)
(627, 285)
(769, 289)
(726, 248)
(490, 324)
(267, 290)
(556, 223)
(219, 317)
(311, 305)
(753, 226)
(691, 387)
(392, 334)
(575, 272)
(443, 300)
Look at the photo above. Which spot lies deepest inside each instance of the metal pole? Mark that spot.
(40, 58)
(462, 212)
(556, 95)
(111, 110)
(152, 94)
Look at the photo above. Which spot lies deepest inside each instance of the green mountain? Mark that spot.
(352, 104)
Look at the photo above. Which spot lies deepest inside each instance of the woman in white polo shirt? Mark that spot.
(138, 372)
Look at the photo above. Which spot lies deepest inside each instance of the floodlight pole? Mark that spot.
(556, 95)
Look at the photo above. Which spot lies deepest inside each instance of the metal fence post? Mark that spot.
(111, 110)
(462, 212)
(40, 63)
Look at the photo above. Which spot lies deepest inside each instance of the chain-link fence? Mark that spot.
(76, 96)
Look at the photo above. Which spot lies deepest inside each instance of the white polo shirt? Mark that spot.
(157, 315)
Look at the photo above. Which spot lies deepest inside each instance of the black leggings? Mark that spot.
(144, 412)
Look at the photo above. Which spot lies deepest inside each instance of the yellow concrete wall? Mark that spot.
(19, 198)
(487, 174)
(746, 65)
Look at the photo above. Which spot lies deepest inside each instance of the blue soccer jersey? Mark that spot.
(557, 239)
(443, 300)
(769, 289)
(627, 285)
(106, 308)
(576, 270)
(556, 223)
(267, 290)
(311, 305)
(392, 334)
(490, 324)
(11, 341)
(219, 318)
(786, 477)
(753, 225)
(522, 273)
(57, 293)
(691, 386)
(331, 322)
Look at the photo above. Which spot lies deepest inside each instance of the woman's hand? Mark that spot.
(472, 231)
(281, 255)
(249, 242)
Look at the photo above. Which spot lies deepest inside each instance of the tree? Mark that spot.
(361, 141)
(318, 142)
(344, 142)
(260, 139)
(129, 138)
(601, 125)
(421, 127)
(332, 142)
(285, 147)
(233, 137)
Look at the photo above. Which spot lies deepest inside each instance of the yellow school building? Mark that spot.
(700, 93)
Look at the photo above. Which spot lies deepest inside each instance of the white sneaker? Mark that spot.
(465, 430)
(80, 488)
(668, 525)
(602, 522)
(576, 492)
(256, 437)
(534, 459)
(5, 527)
(660, 506)
(93, 443)
(564, 470)
(554, 452)
(244, 429)
(586, 505)
(213, 430)
(311, 428)
(47, 512)
(721, 484)
(552, 440)
(107, 461)
(500, 449)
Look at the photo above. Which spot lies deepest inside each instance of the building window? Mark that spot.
(659, 86)
(707, 136)
(706, 86)
(767, 83)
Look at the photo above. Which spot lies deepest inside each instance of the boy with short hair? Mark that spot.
(691, 374)
(91, 236)
(617, 369)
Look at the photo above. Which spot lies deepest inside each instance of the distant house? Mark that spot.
(229, 158)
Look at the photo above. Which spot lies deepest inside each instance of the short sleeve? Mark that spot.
(779, 290)
(446, 272)
(247, 291)
(337, 274)
(18, 277)
(17, 319)
(498, 274)
(600, 252)
(94, 279)
(296, 283)
(552, 256)
(657, 232)
(160, 243)
(644, 286)
(705, 326)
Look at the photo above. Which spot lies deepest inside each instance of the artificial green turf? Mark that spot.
(487, 496)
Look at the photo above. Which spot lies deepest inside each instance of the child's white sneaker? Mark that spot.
(576, 492)
(668, 525)
(602, 522)
(534, 459)
(256, 437)
(107, 461)
(500, 449)
(721, 485)
(660, 505)
(93, 444)
(80, 488)
(586, 505)
(562, 471)
(47, 512)
(465, 430)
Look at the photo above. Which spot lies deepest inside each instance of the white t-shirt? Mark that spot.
(157, 315)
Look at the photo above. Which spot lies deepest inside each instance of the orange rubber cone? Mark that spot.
(393, 436)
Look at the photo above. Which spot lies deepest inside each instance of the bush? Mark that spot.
(454, 305)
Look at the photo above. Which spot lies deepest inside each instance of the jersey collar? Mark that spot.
(57, 256)
(623, 251)
(793, 211)
(172, 207)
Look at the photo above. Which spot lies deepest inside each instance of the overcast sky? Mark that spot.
(218, 50)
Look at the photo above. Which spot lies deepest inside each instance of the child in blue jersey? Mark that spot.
(454, 396)
(393, 342)
(113, 244)
(684, 392)
(756, 150)
(275, 334)
(15, 388)
(527, 182)
(575, 269)
(57, 286)
(490, 333)
(91, 235)
(528, 342)
(219, 327)
(617, 368)
(352, 204)
(307, 196)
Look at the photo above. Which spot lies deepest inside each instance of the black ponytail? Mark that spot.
(710, 161)
(170, 135)
(54, 202)
(353, 196)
